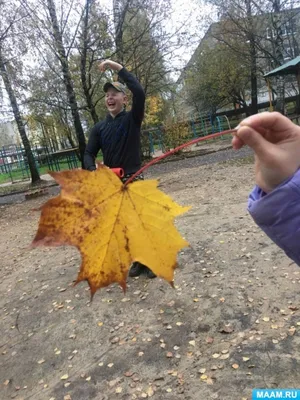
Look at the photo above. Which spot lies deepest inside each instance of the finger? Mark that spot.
(255, 140)
(267, 121)
(237, 143)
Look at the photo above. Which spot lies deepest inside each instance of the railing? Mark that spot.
(14, 166)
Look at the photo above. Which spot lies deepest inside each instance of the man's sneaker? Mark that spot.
(136, 270)
(149, 273)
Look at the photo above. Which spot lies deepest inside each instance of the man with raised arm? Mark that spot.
(119, 135)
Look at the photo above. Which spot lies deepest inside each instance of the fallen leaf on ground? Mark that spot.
(293, 308)
(112, 225)
(292, 331)
(64, 377)
(226, 328)
(150, 392)
(128, 374)
(224, 356)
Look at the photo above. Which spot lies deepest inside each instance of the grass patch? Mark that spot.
(16, 175)
(19, 174)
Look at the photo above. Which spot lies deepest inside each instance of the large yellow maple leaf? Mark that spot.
(112, 225)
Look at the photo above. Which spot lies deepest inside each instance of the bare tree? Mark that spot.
(144, 44)
(67, 78)
(279, 51)
(94, 43)
(250, 20)
(51, 31)
(12, 18)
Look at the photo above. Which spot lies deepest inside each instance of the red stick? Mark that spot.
(156, 160)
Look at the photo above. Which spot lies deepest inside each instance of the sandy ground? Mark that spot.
(231, 324)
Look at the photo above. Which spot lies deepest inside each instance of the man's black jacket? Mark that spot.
(119, 137)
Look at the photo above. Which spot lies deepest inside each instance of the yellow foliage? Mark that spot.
(112, 225)
(176, 133)
(154, 106)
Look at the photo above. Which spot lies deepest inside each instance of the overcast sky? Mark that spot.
(183, 10)
(193, 10)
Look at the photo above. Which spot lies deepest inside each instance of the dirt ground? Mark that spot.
(231, 324)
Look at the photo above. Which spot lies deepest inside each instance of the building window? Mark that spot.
(288, 53)
(286, 29)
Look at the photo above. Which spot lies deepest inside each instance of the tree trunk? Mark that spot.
(253, 73)
(83, 61)
(280, 82)
(67, 79)
(35, 176)
(119, 15)
(253, 68)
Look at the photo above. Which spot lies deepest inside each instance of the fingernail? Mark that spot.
(237, 127)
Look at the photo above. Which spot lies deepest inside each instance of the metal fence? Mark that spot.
(14, 166)
(154, 139)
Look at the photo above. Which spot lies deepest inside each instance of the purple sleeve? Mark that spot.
(278, 214)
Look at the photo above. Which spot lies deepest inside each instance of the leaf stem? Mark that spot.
(169, 153)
